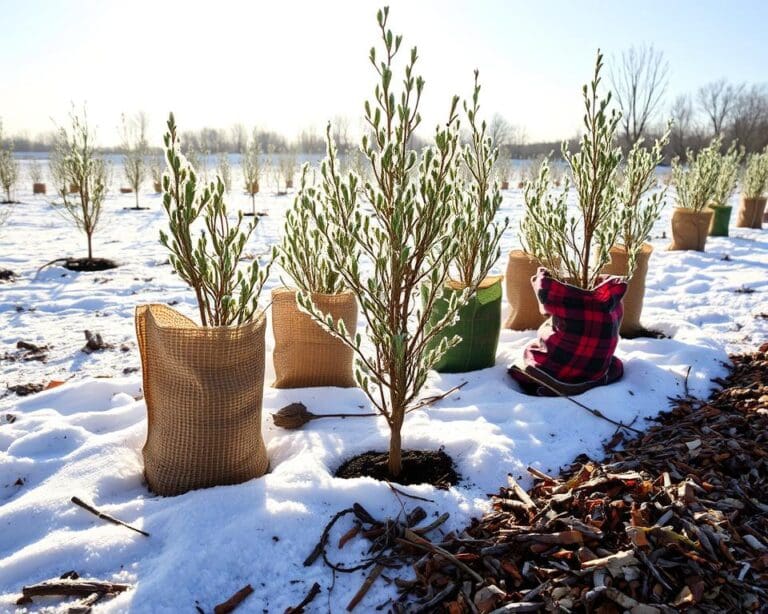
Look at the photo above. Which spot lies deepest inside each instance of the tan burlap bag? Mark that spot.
(633, 299)
(524, 311)
(690, 229)
(751, 211)
(203, 389)
(305, 354)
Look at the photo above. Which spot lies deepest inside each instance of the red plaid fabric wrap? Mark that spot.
(576, 344)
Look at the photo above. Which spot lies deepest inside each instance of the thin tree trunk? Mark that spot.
(253, 202)
(136, 190)
(395, 461)
(90, 250)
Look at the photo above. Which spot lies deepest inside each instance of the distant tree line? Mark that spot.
(639, 83)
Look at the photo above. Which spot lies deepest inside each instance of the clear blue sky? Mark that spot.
(289, 64)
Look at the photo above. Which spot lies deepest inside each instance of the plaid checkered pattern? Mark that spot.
(576, 344)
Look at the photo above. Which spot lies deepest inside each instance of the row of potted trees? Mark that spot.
(704, 187)
(409, 251)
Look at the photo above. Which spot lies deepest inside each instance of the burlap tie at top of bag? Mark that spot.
(305, 353)
(203, 388)
(575, 347)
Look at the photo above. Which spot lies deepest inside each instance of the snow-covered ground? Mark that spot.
(84, 438)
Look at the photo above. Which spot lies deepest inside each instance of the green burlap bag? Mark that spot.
(720, 221)
(479, 326)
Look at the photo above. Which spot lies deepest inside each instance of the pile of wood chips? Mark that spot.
(676, 520)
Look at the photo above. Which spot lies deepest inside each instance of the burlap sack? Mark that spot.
(633, 299)
(38, 188)
(751, 211)
(478, 326)
(690, 229)
(203, 388)
(305, 354)
(524, 311)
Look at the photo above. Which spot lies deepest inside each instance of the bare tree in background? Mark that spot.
(681, 114)
(134, 134)
(239, 137)
(639, 82)
(749, 119)
(499, 131)
(718, 100)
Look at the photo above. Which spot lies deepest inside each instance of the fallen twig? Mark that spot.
(369, 580)
(235, 600)
(299, 609)
(107, 517)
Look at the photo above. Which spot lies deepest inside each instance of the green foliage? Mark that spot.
(9, 167)
(303, 254)
(728, 176)
(755, 180)
(77, 164)
(697, 183)
(226, 295)
(476, 202)
(638, 214)
(575, 249)
(402, 234)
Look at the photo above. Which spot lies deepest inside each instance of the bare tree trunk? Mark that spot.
(136, 190)
(395, 461)
(90, 250)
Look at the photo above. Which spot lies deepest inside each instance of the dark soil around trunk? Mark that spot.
(644, 333)
(136, 208)
(419, 467)
(88, 264)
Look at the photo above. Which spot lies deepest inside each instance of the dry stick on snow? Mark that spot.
(369, 580)
(85, 606)
(299, 609)
(405, 494)
(107, 517)
(235, 600)
(595, 412)
(296, 415)
(73, 588)
(435, 398)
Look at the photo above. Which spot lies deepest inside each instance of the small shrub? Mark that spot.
(755, 181)
(637, 213)
(76, 163)
(136, 149)
(9, 167)
(575, 249)
(226, 294)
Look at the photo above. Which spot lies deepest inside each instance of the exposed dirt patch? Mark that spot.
(7, 275)
(419, 467)
(26, 389)
(89, 264)
(26, 351)
(643, 333)
(136, 208)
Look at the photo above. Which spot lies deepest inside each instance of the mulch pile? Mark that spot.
(675, 520)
